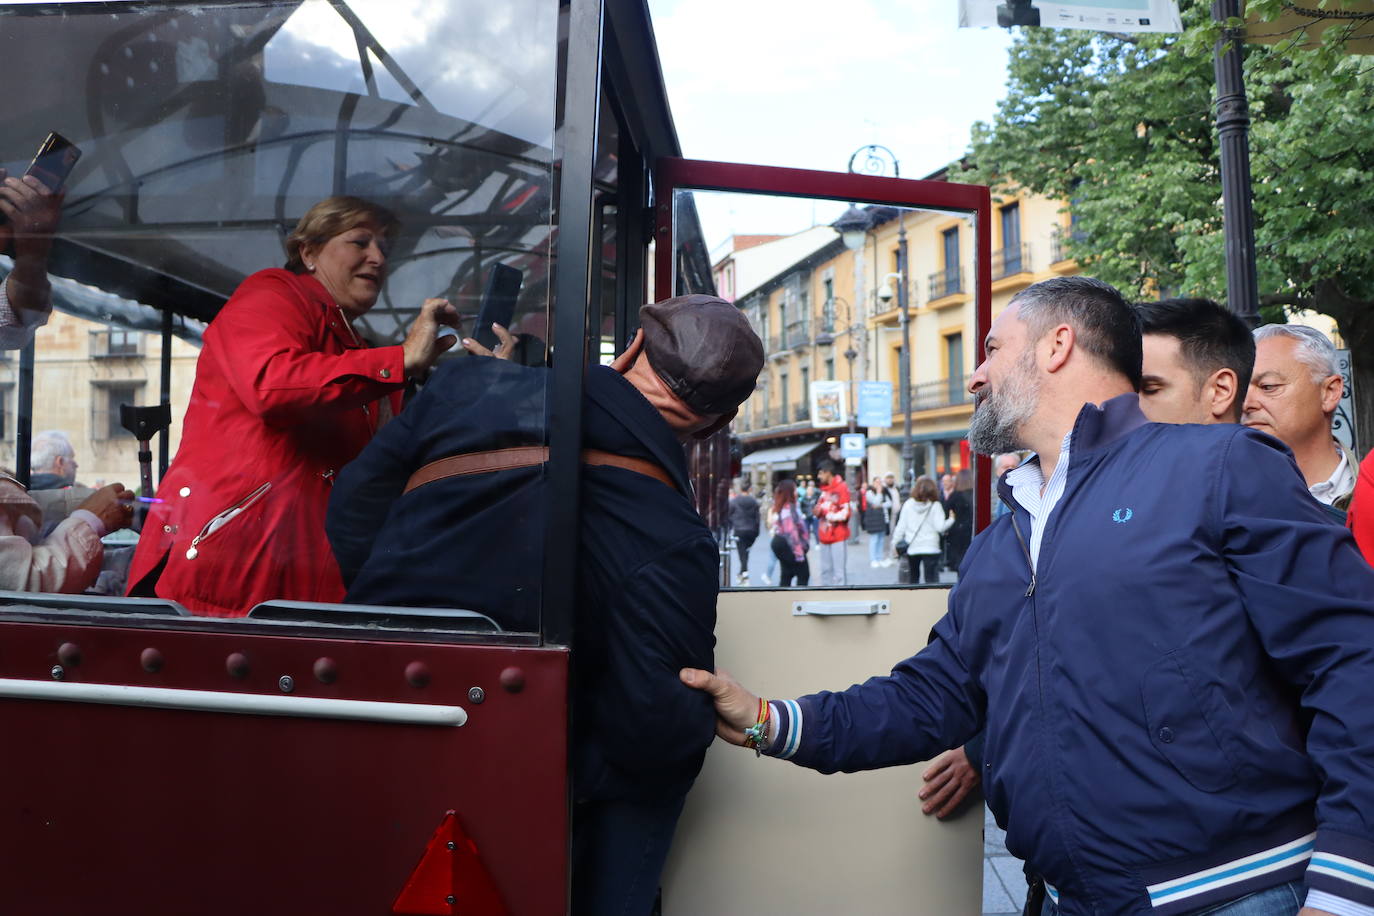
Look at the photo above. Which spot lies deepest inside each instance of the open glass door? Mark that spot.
(872, 297)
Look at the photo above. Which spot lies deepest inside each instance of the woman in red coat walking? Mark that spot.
(286, 393)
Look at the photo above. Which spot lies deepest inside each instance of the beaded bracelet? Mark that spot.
(756, 735)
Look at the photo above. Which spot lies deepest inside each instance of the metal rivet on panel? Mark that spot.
(476, 694)
(69, 654)
(417, 674)
(286, 683)
(151, 660)
(185, 491)
(513, 679)
(57, 673)
(326, 670)
(236, 664)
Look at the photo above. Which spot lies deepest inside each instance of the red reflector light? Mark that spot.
(450, 879)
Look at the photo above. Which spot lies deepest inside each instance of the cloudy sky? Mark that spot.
(807, 82)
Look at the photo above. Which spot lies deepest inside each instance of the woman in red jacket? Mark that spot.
(286, 393)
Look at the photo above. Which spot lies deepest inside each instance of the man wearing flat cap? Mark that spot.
(421, 519)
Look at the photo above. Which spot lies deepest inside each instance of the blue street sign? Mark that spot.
(853, 445)
(875, 404)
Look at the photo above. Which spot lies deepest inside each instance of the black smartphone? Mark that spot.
(54, 161)
(498, 303)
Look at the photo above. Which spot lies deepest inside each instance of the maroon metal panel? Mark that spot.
(982, 473)
(975, 200)
(117, 810)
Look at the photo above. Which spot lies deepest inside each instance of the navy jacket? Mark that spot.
(1177, 703)
(647, 581)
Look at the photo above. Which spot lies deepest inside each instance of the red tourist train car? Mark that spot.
(344, 759)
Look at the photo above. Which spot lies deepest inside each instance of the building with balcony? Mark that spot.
(831, 313)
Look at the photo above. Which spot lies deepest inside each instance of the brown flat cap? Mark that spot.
(704, 350)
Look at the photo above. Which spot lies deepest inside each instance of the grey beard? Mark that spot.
(989, 432)
(993, 427)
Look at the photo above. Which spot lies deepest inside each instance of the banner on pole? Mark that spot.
(875, 404)
(828, 408)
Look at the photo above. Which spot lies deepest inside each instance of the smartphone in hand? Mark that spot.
(498, 304)
(54, 161)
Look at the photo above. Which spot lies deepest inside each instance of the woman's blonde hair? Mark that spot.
(333, 216)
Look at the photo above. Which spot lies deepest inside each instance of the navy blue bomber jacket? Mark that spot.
(1179, 704)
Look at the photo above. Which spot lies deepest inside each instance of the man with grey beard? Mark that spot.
(1167, 642)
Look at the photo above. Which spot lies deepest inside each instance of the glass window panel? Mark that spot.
(829, 318)
(207, 130)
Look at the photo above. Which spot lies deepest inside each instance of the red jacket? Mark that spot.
(1361, 516)
(833, 511)
(285, 395)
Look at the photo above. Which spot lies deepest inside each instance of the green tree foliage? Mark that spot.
(1123, 128)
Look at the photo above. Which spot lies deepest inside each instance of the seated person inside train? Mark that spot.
(68, 560)
(52, 477)
(286, 393)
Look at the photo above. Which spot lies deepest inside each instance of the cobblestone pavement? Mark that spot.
(1004, 884)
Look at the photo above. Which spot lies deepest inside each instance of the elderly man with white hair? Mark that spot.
(1293, 394)
(52, 480)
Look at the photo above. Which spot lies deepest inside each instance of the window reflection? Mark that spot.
(208, 128)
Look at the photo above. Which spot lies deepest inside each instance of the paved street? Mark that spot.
(859, 570)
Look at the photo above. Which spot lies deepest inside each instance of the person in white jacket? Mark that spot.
(67, 560)
(920, 525)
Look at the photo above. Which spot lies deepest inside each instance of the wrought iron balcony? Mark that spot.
(946, 283)
(945, 392)
(1008, 261)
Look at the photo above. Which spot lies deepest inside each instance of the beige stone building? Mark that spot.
(83, 371)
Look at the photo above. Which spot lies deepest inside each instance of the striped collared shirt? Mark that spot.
(1038, 498)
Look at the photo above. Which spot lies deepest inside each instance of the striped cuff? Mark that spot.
(1341, 867)
(1337, 906)
(1232, 879)
(788, 715)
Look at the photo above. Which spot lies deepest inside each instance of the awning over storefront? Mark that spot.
(782, 458)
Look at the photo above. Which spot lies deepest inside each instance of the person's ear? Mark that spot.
(624, 361)
(1220, 393)
(1061, 343)
(1332, 389)
(715, 427)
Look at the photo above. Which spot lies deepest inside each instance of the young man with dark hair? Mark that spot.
(832, 512)
(1197, 361)
(1167, 642)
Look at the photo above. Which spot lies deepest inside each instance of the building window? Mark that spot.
(950, 238)
(782, 386)
(806, 387)
(105, 404)
(6, 417)
(830, 368)
(116, 342)
(1009, 260)
(954, 360)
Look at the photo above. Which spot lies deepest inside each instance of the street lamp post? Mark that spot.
(850, 355)
(904, 358)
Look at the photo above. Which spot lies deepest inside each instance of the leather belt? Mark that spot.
(505, 459)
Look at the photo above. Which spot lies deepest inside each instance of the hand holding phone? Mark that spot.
(498, 304)
(31, 204)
